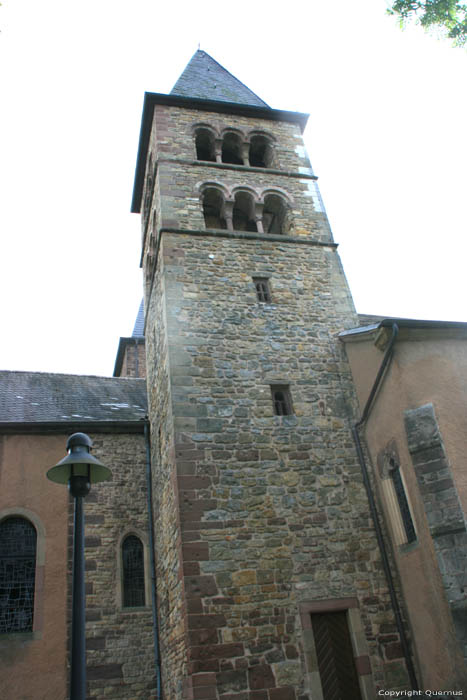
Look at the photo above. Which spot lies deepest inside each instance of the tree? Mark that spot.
(449, 16)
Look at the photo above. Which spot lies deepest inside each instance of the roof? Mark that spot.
(40, 397)
(138, 330)
(371, 324)
(203, 77)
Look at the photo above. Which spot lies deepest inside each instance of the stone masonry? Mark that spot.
(119, 641)
(446, 520)
(258, 515)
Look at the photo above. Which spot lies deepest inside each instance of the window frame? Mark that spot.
(120, 573)
(287, 400)
(38, 609)
(399, 489)
(265, 291)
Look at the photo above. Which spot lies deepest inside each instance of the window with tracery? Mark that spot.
(18, 540)
(133, 572)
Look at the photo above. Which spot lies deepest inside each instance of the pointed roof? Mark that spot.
(138, 330)
(206, 79)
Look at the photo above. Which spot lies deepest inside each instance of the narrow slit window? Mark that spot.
(402, 501)
(281, 400)
(133, 572)
(17, 575)
(263, 290)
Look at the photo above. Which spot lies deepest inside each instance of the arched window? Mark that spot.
(204, 141)
(213, 208)
(261, 152)
(276, 215)
(232, 149)
(243, 213)
(133, 572)
(17, 574)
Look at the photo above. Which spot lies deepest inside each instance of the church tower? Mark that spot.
(269, 577)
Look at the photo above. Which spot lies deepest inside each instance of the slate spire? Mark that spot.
(204, 78)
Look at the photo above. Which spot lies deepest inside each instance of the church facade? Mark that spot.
(282, 516)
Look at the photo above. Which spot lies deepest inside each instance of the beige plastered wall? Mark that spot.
(33, 665)
(424, 369)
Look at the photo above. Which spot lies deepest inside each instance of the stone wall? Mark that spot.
(134, 359)
(172, 611)
(266, 513)
(119, 641)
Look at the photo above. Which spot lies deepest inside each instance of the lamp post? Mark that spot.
(79, 469)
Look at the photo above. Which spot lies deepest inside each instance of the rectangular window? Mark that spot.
(335, 656)
(402, 501)
(263, 290)
(281, 400)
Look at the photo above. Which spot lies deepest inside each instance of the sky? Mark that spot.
(386, 137)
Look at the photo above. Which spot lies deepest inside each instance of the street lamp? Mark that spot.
(79, 469)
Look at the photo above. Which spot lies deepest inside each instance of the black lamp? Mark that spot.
(79, 469)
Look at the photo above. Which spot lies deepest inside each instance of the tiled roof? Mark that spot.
(41, 397)
(138, 330)
(204, 78)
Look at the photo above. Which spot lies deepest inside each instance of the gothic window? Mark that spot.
(213, 209)
(263, 291)
(232, 149)
(401, 496)
(17, 574)
(133, 572)
(243, 213)
(276, 216)
(281, 400)
(204, 141)
(261, 152)
(335, 656)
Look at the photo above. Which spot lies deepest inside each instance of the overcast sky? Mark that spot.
(386, 137)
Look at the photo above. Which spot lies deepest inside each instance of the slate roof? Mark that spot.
(42, 397)
(138, 330)
(204, 78)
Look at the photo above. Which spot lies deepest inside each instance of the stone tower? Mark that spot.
(269, 576)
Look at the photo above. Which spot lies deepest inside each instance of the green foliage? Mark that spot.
(449, 16)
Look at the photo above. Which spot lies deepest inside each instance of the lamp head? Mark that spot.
(79, 462)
